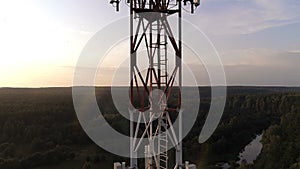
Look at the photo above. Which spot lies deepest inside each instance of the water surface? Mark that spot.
(252, 150)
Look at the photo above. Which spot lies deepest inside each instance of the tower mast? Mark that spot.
(152, 91)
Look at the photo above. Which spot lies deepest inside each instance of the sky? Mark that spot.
(40, 41)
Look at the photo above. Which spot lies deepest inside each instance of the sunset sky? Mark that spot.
(41, 40)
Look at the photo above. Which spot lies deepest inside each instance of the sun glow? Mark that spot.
(32, 44)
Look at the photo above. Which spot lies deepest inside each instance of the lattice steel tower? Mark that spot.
(154, 95)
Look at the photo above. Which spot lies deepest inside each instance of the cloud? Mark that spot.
(262, 75)
(258, 57)
(261, 57)
(255, 66)
(224, 17)
(262, 67)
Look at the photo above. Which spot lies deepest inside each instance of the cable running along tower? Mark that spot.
(155, 93)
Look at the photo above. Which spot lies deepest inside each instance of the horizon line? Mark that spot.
(106, 86)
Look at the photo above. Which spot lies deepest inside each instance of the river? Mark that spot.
(252, 150)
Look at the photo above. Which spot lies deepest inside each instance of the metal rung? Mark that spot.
(163, 146)
(162, 136)
(165, 141)
(163, 160)
(155, 46)
(164, 155)
(155, 25)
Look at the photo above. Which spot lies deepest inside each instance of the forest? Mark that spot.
(40, 130)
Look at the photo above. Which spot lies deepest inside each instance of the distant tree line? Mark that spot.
(39, 128)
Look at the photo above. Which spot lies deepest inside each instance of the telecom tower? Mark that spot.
(151, 91)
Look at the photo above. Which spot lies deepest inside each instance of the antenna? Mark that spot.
(152, 91)
(116, 4)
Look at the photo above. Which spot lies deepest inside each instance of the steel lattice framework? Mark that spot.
(152, 91)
